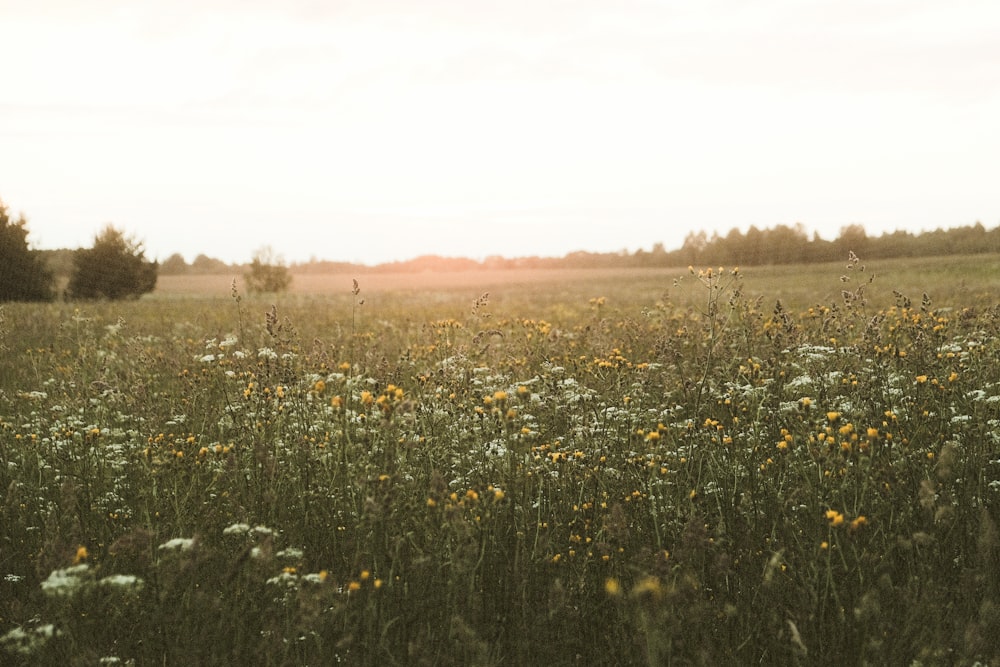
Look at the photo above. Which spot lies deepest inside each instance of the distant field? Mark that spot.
(944, 279)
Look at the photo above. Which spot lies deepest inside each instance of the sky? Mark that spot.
(381, 130)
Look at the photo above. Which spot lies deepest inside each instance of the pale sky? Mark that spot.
(374, 130)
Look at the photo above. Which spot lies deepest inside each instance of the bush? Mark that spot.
(267, 273)
(115, 268)
(24, 275)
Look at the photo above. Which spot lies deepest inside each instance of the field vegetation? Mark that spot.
(714, 466)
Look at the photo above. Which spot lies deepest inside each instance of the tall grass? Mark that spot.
(707, 468)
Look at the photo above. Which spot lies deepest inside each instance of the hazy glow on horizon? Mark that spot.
(374, 130)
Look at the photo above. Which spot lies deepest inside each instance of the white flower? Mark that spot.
(178, 544)
(285, 579)
(236, 529)
(122, 581)
(67, 581)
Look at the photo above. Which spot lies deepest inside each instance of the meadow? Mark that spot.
(795, 465)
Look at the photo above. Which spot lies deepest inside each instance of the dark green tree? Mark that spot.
(114, 268)
(24, 274)
(267, 272)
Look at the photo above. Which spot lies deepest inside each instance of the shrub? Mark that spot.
(267, 272)
(114, 268)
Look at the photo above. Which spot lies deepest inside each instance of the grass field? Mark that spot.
(792, 465)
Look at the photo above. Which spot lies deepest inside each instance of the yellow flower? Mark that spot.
(367, 398)
(857, 523)
(81, 555)
(834, 517)
(612, 587)
(649, 586)
(354, 586)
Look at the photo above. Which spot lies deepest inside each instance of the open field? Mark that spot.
(776, 465)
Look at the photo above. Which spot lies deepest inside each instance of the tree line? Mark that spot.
(116, 267)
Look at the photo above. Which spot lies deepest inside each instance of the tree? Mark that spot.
(205, 264)
(268, 272)
(24, 274)
(174, 265)
(115, 268)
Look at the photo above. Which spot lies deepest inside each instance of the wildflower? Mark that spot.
(67, 581)
(81, 555)
(834, 517)
(857, 523)
(236, 529)
(337, 402)
(648, 587)
(177, 544)
(367, 398)
(612, 587)
(354, 586)
(921, 379)
(125, 581)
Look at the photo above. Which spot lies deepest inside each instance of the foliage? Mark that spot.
(174, 265)
(24, 275)
(267, 272)
(114, 268)
(666, 474)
